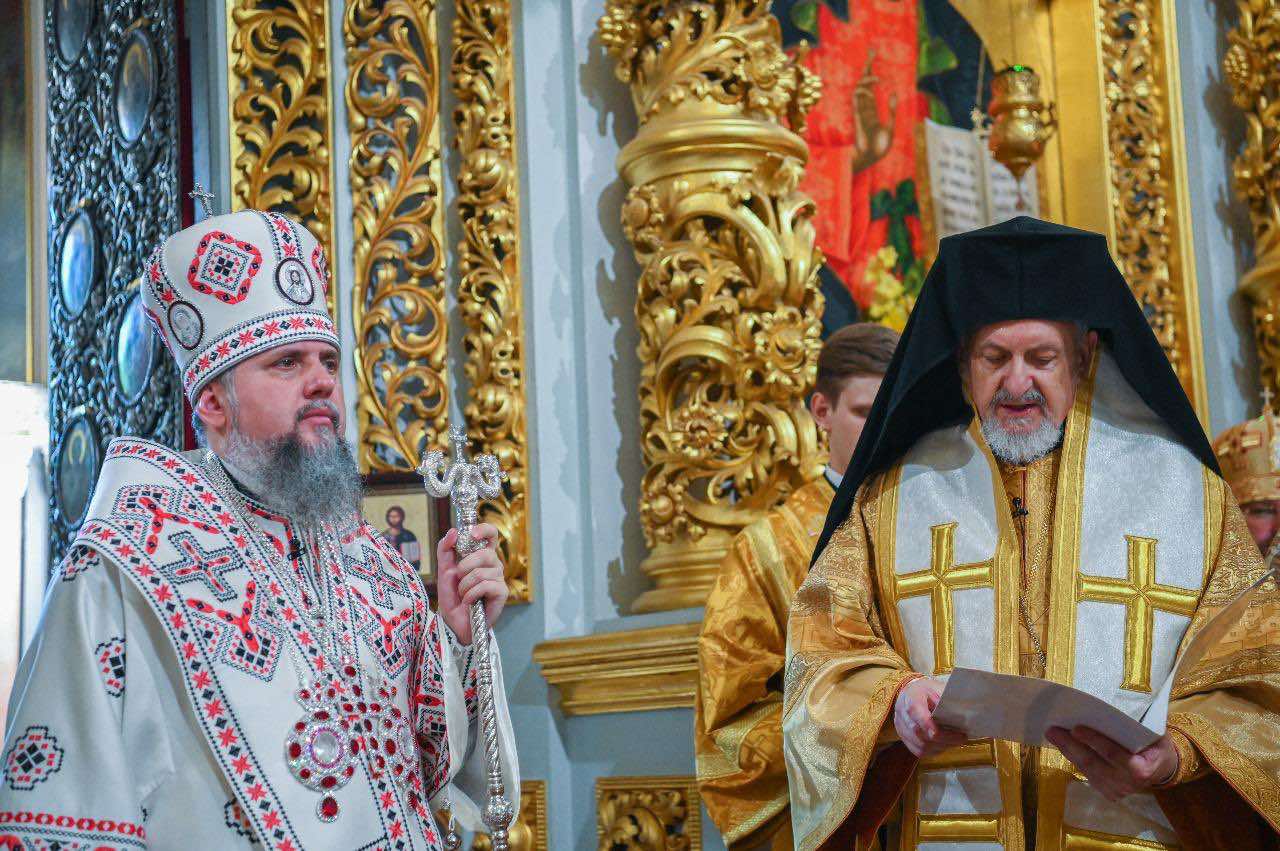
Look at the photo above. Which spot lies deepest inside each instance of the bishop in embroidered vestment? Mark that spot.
(737, 727)
(1032, 495)
(230, 656)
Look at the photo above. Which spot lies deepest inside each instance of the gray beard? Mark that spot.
(309, 485)
(1020, 449)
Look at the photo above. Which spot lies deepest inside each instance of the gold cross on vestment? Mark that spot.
(940, 581)
(1141, 597)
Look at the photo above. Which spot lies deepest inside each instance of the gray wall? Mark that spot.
(1220, 223)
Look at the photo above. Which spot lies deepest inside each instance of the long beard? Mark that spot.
(1020, 448)
(309, 485)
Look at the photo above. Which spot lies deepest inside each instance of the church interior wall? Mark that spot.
(1222, 235)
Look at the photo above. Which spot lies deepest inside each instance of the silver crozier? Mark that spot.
(465, 481)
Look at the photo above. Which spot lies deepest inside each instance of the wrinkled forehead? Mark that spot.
(1025, 334)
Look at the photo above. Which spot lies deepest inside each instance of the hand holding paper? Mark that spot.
(1112, 770)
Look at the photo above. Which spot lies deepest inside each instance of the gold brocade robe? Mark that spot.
(738, 730)
(848, 772)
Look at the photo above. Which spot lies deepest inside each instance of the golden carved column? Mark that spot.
(727, 303)
(648, 814)
(489, 290)
(399, 297)
(1150, 200)
(281, 114)
(1250, 67)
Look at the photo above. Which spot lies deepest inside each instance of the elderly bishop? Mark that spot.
(230, 656)
(1032, 495)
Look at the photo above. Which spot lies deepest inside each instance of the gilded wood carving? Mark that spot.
(281, 115)
(728, 307)
(648, 814)
(1148, 177)
(1250, 68)
(399, 296)
(632, 671)
(489, 290)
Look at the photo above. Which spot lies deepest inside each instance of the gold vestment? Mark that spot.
(844, 673)
(741, 652)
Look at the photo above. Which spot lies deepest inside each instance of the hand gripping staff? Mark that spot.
(465, 482)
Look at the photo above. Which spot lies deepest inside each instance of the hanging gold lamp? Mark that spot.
(1021, 122)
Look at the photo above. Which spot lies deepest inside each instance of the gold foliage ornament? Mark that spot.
(1149, 196)
(648, 814)
(489, 290)
(281, 115)
(398, 303)
(1250, 68)
(728, 305)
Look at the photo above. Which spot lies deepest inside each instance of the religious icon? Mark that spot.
(186, 323)
(293, 281)
(406, 519)
(77, 468)
(887, 68)
(135, 350)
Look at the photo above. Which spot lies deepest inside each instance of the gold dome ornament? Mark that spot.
(1021, 122)
(1249, 455)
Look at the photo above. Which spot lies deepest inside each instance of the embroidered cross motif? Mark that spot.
(1141, 597)
(200, 565)
(386, 636)
(224, 267)
(373, 570)
(939, 582)
(247, 641)
(154, 505)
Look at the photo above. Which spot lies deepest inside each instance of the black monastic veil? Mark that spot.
(1021, 269)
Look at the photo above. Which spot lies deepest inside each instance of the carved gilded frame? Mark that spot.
(281, 112)
(648, 812)
(1116, 79)
(399, 306)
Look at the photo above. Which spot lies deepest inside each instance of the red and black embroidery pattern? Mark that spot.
(77, 561)
(33, 758)
(203, 656)
(382, 583)
(249, 640)
(321, 264)
(249, 338)
(429, 714)
(110, 656)
(200, 565)
(123, 539)
(43, 831)
(389, 638)
(235, 819)
(224, 267)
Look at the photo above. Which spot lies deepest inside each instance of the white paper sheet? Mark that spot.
(1022, 709)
